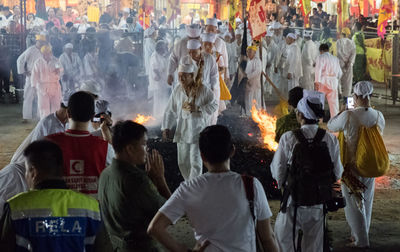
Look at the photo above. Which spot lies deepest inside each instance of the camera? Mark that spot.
(98, 118)
(337, 200)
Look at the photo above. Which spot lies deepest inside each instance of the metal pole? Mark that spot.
(261, 76)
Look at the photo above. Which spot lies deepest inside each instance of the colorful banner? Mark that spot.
(385, 14)
(379, 60)
(343, 15)
(257, 19)
(233, 12)
(305, 7)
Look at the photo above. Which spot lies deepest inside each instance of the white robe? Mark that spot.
(308, 58)
(178, 52)
(159, 90)
(46, 81)
(359, 219)
(220, 47)
(346, 53)
(73, 71)
(12, 177)
(91, 70)
(253, 87)
(309, 219)
(328, 73)
(268, 58)
(188, 127)
(232, 57)
(293, 66)
(25, 64)
(149, 48)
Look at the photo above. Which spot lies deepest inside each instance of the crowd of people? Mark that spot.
(76, 152)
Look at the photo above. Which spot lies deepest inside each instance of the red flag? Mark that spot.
(257, 19)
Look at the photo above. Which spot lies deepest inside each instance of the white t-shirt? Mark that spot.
(218, 210)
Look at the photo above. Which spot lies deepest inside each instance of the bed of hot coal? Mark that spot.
(250, 158)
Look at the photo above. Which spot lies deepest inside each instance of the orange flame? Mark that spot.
(267, 125)
(142, 119)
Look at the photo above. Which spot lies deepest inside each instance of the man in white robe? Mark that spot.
(220, 47)
(158, 88)
(281, 56)
(149, 45)
(180, 50)
(231, 47)
(309, 218)
(270, 50)
(253, 74)
(308, 58)
(346, 53)
(73, 69)
(24, 66)
(292, 69)
(190, 107)
(210, 76)
(327, 75)
(45, 79)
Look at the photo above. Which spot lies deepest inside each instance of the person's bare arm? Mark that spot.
(158, 230)
(267, 236)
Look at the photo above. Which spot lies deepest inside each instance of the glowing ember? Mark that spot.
(250, 134)
(267, 125)
(142, 119)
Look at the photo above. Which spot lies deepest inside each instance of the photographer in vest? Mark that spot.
(358, 209)
(305, 165)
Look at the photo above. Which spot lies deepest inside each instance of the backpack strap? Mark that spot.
(249, 188)
(299, 136)
(319, 136)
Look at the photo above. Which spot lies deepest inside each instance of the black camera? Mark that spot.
(337, 200)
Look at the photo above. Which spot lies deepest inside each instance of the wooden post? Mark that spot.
(395, 67)
(261, 76)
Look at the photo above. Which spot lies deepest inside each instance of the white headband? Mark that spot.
(193, 44)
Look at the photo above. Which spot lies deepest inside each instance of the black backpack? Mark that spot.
(310, 176)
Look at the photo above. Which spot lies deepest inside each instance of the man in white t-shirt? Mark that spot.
(216, 205)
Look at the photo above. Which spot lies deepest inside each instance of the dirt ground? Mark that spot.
(385, 227)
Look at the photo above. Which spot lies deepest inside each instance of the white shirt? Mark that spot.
(158, 72)
(350, 121)
(72, 66)
(210, 71)
(253, 71)
(268, 56)
(26, 60)
(44, 76)
(293, 61)
(90, 65)
(309, 55)
(179, 51)
(232, 57)
(189, 125)
(327, 70)
(218, 210)
(149, 48)
(220, 47)
(346, 51)
(283, 155)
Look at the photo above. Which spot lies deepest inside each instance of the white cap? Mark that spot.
(186, 65)
(126, 10)
(363, 88)
(238, 32)
(208, 37)
(212, 21)
(276, 25)
(297, 32)
(238, 20)
(306, 110)
(68, 45)
(222, 29)
(227, 34)
(292, 35)
(149, 31)
(307, 33)
(91, 86)
(193, 44)
(193, 31)
(314, 94)
(269, 34)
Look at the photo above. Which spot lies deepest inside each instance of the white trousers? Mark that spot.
(307, 81)
(29, 101)
(252, 94)
(189, 160)
(217, 95)
(346, 82)
(359, 219)
(49, 102)
(310, 220)
(332, 98)
(160, 101)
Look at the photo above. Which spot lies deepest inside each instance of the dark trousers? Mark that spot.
(5, 78)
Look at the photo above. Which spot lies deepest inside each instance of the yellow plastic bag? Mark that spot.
(225, 94)
(372, 159)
